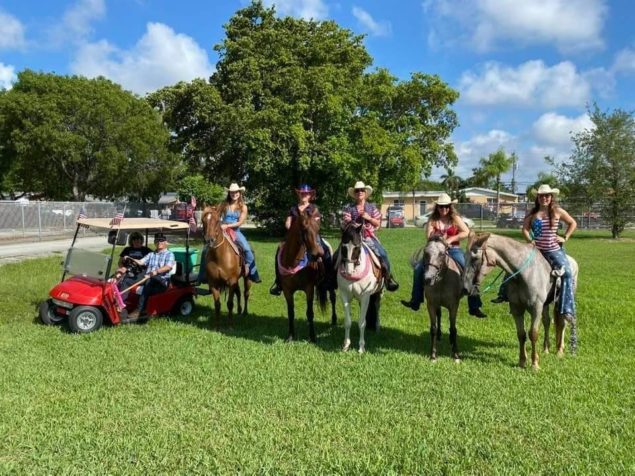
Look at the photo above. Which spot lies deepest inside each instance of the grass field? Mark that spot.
(179, 396)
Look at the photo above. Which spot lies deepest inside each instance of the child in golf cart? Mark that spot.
(129, 270)
(158, 265)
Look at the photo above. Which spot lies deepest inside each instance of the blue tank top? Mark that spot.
(231, 216)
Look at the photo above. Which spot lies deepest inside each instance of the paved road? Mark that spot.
(13, 252)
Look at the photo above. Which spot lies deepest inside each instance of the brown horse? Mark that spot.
(224, 265)
(301, 240)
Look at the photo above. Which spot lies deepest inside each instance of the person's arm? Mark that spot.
(527, 228)
(430, 230)
(571, 225)
(463, 231)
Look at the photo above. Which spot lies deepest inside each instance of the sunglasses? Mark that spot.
(358, 190)
(443, 206)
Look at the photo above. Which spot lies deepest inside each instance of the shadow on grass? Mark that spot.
(267, 329)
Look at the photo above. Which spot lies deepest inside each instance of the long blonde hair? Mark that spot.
(228, 201)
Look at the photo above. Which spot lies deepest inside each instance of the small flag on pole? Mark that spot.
(192, 222)
(82, 215)
(117, 219)
(193, 202)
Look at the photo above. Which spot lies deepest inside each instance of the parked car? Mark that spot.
(422, 220)
(395, 217)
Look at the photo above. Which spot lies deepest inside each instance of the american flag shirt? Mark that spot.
(350, 213)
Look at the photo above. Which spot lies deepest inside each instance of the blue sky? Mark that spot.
(526, 69)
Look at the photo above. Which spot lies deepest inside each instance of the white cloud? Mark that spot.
(76, 24)
(624, 61)
(530, 84)
(307, 9)
(374, 27)
(160, 58)
(471, 151)
(11, 32)
(555, 130)
(7, 76)
(570, 25)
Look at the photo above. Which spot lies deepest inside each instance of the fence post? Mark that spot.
(39, 221)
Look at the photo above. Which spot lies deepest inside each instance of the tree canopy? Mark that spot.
(602, 166)
(293, 101)
(67, 137)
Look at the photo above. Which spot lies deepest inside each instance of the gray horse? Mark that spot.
(529, 290)
(443, 287)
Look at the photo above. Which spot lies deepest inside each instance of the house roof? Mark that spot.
(168, 198)
(416, 193)
(486, 192)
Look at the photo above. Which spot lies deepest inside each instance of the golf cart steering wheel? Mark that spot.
(131, 265)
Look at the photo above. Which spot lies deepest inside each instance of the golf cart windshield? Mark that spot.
(87, 263)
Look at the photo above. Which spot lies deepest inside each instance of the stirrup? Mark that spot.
(558, 272)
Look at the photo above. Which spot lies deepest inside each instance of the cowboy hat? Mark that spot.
(444, 199)
(359, 184)
(545, 189)
(305, 188)
(235, 188)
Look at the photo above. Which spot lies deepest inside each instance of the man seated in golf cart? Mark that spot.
(130, 271)
(159, 265)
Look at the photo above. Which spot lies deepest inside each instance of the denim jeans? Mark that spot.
(378, 249)
(416, 296)
(154, 285)
(558, 259)
(250, 260)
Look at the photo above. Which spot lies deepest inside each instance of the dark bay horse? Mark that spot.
(530, 289)
(358, 277)
(224, 265)
(443, 287)
(299, 269)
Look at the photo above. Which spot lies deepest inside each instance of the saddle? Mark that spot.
(556, 285)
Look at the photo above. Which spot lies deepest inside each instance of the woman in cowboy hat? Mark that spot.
(233, 213)
(369, 217)
(306, 195)
(444, 222)
(540, 228)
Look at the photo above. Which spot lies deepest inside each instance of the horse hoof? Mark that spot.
(433, 359)
(361, 350)
(535, 367)
(560, 354)
(345, 348)
(289, 339)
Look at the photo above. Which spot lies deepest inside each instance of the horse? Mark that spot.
(359, 277)
(224, 265)
(443, 280)
(529, 289)
(299, 269)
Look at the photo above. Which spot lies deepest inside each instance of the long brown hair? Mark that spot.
(436, 216)
(553, 205)
(227, 202)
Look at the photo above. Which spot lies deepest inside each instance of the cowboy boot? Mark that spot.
(389, 282)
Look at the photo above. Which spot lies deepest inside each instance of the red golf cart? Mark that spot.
(88, 296)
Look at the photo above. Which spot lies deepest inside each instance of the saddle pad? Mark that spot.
(372, 255)
(291, 271)
(230, 236)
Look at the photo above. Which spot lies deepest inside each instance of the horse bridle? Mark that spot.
(209, 240)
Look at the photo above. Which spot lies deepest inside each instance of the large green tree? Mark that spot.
(602, 165)
(67, 137)
(293, 101)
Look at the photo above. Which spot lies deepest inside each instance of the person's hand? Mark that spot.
(560, 239)
(224, 227)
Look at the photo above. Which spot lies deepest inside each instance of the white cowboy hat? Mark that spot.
(360, 184)
(545, 189)
(444, 199)
(235, 188)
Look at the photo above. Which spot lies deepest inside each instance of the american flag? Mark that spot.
(193, 202)
(82, 215)
(117, 219)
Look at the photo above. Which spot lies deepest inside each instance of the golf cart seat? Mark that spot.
(180, 278)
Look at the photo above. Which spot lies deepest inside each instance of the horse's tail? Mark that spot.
(372, 314)
(322, 295)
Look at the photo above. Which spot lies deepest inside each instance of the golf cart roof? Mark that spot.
(134, 224)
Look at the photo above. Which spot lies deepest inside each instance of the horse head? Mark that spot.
(310, 227)
(351, 246)
(212, 231)
(435, 256)
(302, 236)
(477, 262)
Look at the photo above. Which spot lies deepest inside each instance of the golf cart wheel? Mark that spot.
(184, 306)
(84, 319)
(48, 315)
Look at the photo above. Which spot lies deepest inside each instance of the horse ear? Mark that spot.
(481, 239)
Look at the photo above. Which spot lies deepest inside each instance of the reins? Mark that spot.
(522, 267)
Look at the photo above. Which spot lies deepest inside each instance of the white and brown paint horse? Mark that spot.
(359, 277)
(529, 290)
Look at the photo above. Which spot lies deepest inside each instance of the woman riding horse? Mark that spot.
(370, 218)
(447, 224)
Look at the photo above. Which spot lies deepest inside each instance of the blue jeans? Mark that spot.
(416, 296)
(378, 249)
(250, 260)
(558, 259)
(154, 285)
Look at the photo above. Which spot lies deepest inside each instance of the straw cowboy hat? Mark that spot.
(360, 184)
(235, 188)
(305, 188)
(444, 199)
(545, 189)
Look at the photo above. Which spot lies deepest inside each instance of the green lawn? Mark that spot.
(179, 396)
